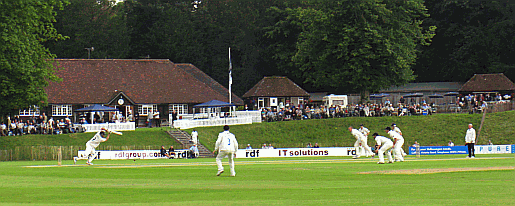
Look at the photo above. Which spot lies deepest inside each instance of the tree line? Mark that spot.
(340, 46)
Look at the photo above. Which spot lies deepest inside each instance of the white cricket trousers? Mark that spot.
(397, 150)
(356, 147)
(364, 143)
(230, 156)
(90, 151)
(385, 148)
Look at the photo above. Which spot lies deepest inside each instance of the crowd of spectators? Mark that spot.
(358, 110)
(37, 125)
(405, 107)
(476, 103)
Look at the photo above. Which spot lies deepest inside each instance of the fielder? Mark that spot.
(92, 144)
(359, 138)
(383, 145)
(364, 141)
(396, 129)
(398, 141)
(226, 145)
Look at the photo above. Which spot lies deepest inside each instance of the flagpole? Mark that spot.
(230, 80)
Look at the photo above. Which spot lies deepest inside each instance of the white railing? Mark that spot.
(112, 126)
(254, 114)
(192, 123)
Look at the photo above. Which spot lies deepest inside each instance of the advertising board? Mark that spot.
(132, 154)
(296, 152)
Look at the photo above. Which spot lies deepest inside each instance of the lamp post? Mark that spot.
(89, 51)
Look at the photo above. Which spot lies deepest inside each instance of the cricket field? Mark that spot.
(428, 180)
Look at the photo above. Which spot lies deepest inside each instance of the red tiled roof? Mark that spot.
(487, 83)
(276, 87)
(87, 81)
(203, 77)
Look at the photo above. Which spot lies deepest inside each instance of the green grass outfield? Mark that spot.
(267, 181)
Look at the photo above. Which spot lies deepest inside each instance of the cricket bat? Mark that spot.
(115, 132)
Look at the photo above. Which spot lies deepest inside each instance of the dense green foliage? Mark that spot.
(286, 181)
(352, 45)
(473, 37)
(25, 64)
(91, 23)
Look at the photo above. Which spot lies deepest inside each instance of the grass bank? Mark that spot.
(427, 130)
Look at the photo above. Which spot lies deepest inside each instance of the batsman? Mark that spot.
(93, 143)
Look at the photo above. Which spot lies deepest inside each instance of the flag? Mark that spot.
(230, 67)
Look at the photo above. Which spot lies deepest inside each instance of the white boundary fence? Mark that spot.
(129, 126)
(192, 123)
(242, 117)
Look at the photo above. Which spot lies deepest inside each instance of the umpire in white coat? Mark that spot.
(470, 141)
(226, 145)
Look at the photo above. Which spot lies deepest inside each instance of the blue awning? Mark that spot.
(215, 103)
(97, 108)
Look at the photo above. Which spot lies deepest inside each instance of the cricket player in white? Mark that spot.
(226, 145)
(364, 141)
(92, 144)
(359, 138)
(398, 141)
(194, 136)
(396, 129)
(384, 145)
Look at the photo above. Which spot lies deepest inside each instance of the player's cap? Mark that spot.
(375, 134)
(361, 125)
(102, 133)
(226, 127)
(388, 128)
(393, 125)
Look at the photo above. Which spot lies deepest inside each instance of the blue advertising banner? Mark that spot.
(513, 149)
(438, 150)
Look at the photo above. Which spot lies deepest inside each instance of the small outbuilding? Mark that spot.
(275, 92)
(488, 83)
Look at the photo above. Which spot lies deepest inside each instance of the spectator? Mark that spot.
(171, 152)
(270, 146)
(309, 145)
(450, 144)
(316, 145)
(150, 118)
(157, 121)
(50, 126)
(164, 153)
(264, 146)
(248, 146)
(490, 142)
(31, 129)
(174, 117)
(3, 129)
(57, 127)
(193, 151)
(387, 102)
(416, 144)
(19, 127)
(12, 126)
